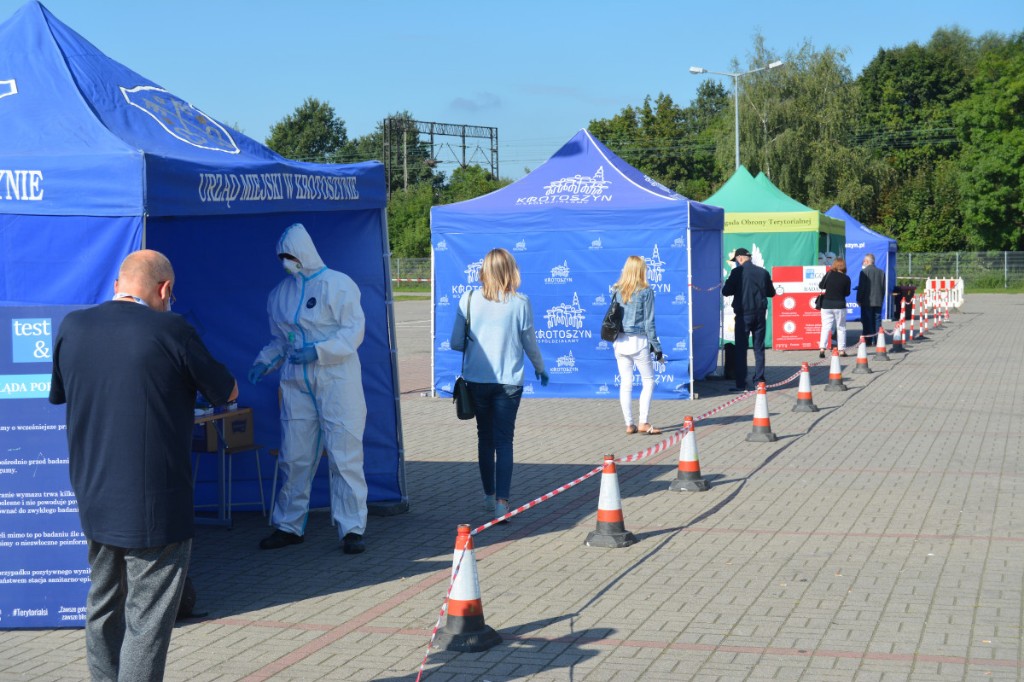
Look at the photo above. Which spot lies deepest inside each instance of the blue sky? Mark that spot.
(538, 71)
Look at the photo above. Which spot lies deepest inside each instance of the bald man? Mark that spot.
(128, 371)
(870, 296)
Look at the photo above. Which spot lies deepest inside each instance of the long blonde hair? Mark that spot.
(632, 279)
(499, 275)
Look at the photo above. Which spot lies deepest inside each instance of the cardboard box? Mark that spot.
(237, 432)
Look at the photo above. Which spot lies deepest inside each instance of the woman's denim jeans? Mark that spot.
(496, 408)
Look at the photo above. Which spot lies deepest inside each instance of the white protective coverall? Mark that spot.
(322, 402)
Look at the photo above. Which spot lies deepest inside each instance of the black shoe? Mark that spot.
(738, 389)
(353, 543)
(821, 353)
(280, 538)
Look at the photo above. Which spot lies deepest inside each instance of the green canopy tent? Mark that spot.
(776, 228)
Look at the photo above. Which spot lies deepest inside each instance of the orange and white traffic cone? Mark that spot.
(862, 358)
(880, 346)
(465, 629)
(835, 374)
(897, 338)
(762, 431)
(688, 478)
(611, 527)
(804, 399)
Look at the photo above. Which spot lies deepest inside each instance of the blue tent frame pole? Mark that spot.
(391, 508)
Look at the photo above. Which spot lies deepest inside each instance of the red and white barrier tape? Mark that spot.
(664, 445)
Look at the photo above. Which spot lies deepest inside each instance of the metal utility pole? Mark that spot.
(461, 152)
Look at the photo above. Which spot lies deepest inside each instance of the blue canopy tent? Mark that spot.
(860, 241)
(97, 161)
(571, 223)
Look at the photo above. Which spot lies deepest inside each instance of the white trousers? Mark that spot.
(633, 350)
(830, 317)
(302, 441)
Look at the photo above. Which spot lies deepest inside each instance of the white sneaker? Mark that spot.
(500, 509)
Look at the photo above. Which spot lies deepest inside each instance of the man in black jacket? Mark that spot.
(128, 370)
(750, 287)
(870, 294)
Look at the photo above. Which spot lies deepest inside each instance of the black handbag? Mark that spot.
(817, 299)
(461, 395)
(611, 326)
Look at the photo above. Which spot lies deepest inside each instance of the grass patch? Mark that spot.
(410, 288)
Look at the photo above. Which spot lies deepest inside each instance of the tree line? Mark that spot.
(926, 145)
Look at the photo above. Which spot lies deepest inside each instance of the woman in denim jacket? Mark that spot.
(633, 347)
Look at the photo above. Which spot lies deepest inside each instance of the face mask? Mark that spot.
(290, 266)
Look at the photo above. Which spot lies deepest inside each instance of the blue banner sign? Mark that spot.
(44, 567)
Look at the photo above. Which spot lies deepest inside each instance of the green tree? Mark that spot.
(312, 133)
(991, 167)
(469, 182)
(669, 143)
(409, 220)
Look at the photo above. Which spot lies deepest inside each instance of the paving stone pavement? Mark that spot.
(881, 538)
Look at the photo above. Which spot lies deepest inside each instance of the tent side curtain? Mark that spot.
(225, 268)
(860, 241)
(65, 259)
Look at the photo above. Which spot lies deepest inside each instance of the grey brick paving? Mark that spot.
(878, 539)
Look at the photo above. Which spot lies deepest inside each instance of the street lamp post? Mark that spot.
(736, 94)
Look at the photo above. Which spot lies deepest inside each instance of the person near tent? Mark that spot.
(750, 287)
(498, 332)
(836, 284)
(317, 325)
(128, 373)
(635, 344)
(870, 296)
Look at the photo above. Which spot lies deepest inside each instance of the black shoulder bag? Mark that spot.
(820, 297)
(611, 326)
(460, 394)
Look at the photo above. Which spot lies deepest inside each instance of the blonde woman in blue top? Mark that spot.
(634, 346)
(500, 333)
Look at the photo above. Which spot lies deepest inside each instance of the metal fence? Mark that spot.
(410, 270)
(987, 269)
(980, 269)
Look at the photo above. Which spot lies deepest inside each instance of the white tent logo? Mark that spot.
(441, 246)
(9, 87)
(577, 189)
(473, 271)
(180, 119)
(565, 364)
(559, 274)
(655, 266)
(520, 245)
(594, 185)
(568, 315)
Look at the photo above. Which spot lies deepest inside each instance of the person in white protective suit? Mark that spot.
(317, 325)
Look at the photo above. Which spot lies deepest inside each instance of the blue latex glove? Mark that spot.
(544, 378)
(303, 356)
(257, 372)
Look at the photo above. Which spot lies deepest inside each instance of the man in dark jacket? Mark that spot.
(750, 287)
(870, 294)
(128, 370)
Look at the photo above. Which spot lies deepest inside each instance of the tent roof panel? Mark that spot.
(583, 178)
(67, 110)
